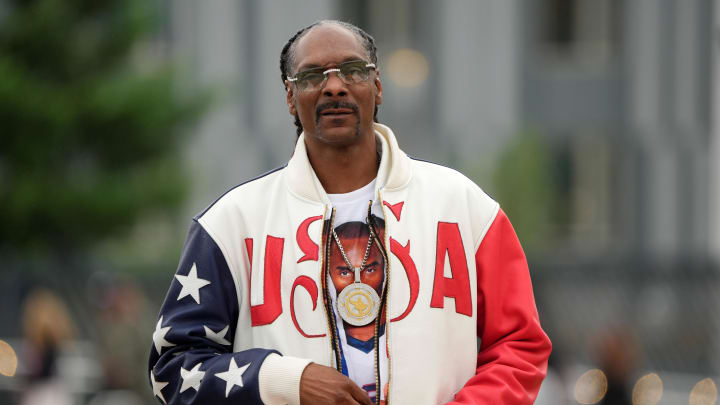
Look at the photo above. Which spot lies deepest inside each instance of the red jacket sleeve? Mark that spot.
(514, 350)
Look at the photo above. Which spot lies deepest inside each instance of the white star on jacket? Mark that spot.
(191, 378)
(233, 376)
(159, 336)
(217, 337)
(157, 387)
(191, 284)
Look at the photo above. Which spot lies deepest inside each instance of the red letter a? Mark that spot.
(457, 286)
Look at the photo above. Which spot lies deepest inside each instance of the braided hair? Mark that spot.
(287, 55)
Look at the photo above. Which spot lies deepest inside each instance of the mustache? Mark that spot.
(334, 104)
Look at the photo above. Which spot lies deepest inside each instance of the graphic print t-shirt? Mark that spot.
(350, 224)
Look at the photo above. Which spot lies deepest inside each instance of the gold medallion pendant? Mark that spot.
(358, 304)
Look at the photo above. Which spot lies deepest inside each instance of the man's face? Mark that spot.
(327, 46)
(342, 275)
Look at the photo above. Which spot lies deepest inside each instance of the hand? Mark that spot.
(320, 385)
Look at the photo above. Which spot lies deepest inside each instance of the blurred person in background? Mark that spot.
(121, 323)
(617, 355)
(47, 327)
(241, 321)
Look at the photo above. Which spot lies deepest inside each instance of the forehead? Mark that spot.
(355, 249)
(327, 44)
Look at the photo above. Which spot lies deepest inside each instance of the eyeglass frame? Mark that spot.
(326, 75)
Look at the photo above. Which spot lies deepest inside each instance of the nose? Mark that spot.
(334, 86)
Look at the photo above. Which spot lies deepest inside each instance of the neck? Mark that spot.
(342, 169)
(365, 332)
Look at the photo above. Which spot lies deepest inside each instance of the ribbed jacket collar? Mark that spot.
(394, 171)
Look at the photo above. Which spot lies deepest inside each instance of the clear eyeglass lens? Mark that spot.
(311, 80)
(354, 72)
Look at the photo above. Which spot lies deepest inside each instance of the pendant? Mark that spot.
(358, 304)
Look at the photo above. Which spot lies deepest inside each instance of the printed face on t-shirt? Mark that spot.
(354, 239)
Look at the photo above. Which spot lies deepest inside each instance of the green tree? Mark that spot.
(526, 189)
(89, 137)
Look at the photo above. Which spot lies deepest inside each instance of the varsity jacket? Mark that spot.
(248, 308)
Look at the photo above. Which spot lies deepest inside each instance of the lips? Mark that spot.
(336, 111)
(336, 108)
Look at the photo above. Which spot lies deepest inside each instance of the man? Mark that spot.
(250, 317)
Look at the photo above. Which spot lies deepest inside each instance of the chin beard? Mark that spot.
(320, 134)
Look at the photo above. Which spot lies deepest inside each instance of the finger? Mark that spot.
(360, 395)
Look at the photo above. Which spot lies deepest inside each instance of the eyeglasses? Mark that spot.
(351, 72)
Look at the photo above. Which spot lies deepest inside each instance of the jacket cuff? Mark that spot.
(279, 379)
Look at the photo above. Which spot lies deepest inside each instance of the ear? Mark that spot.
(290, 98)
(378, 86)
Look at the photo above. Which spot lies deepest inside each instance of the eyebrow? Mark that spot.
(375, 263)
(314, 66)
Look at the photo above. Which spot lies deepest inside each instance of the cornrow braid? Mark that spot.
(287, 55)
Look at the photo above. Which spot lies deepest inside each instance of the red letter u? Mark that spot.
(267, 312)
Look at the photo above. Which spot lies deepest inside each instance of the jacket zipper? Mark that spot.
(383, 310)
(376, 335)
(329, 313)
